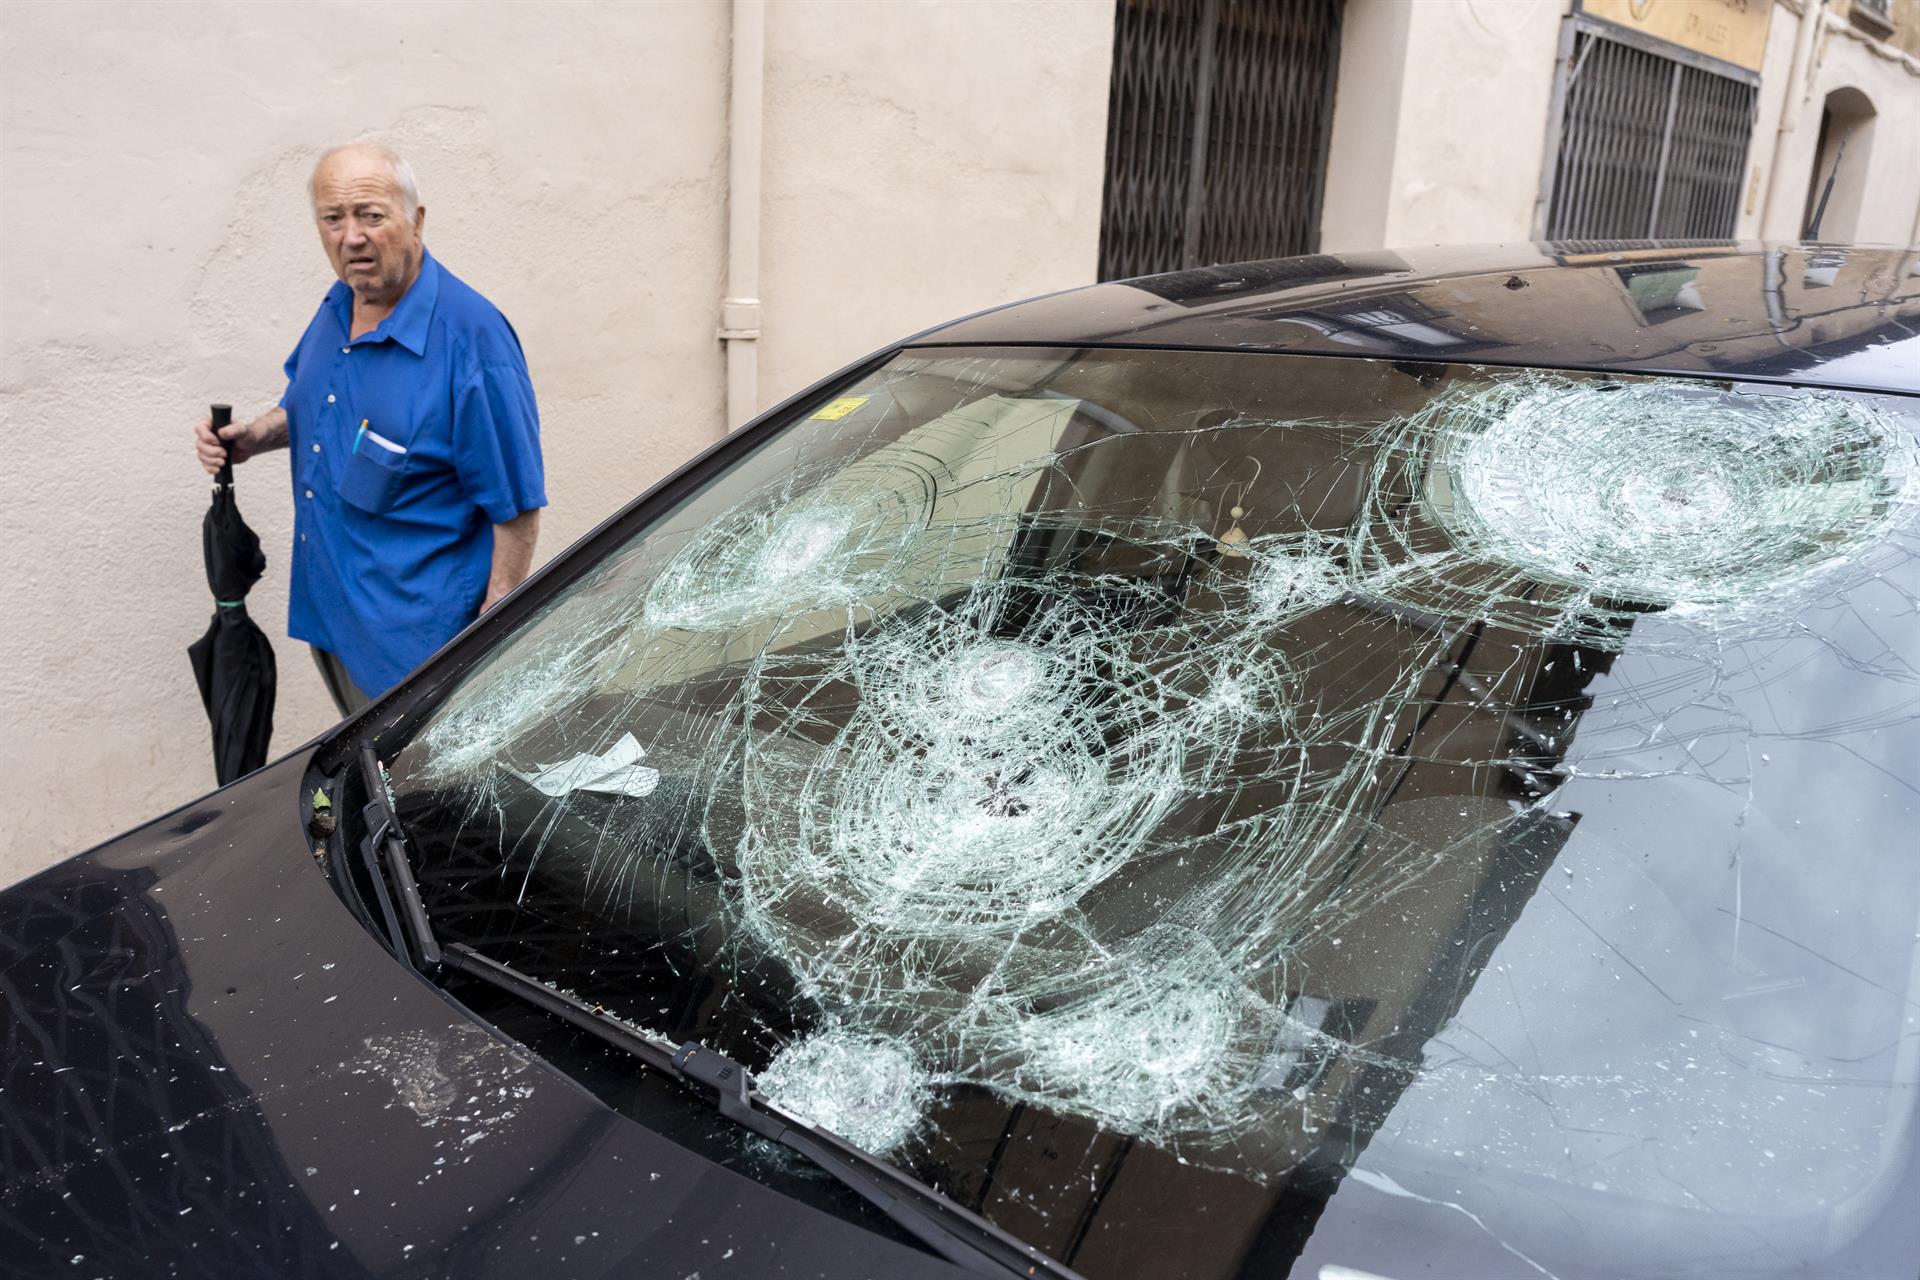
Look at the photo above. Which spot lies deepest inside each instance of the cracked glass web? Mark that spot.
(1169, 741)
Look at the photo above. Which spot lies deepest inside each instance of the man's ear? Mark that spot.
(420, 220)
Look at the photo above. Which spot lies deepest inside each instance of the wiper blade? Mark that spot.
(954, 1233)
(385, 842)
(922, 1212)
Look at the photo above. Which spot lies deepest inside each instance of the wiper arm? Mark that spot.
(922, 1212)
(385, 842)
(918, 1209)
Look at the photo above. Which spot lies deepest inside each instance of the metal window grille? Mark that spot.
(1650, 146)
(1217, 131)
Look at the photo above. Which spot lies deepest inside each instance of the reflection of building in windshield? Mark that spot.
(1389, 324)
(1202, 286)
(1822, 268)
(1662, 293)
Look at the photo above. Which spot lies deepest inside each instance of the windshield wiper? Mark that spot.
(385, 843)
(918, 1209)
(949, 1230)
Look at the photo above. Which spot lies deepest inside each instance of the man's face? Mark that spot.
(373, 245)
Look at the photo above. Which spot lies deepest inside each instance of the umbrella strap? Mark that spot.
(230, 604)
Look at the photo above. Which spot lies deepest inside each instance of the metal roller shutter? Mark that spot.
(1217, 131)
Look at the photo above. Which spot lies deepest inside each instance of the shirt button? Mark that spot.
(316, 448)
(309, 493)
(303, 537)
(346, 350)
(330, 398)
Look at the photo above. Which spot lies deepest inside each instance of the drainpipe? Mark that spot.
(1791, 104)
(740, 308)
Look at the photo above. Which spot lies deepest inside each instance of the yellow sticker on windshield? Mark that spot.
(838, 409)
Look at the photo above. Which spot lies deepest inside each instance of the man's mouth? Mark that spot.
(362, 262)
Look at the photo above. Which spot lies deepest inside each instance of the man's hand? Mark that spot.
(512, 555)
(264, 433)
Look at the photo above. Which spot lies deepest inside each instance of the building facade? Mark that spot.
(693, 208)
(1253, 128)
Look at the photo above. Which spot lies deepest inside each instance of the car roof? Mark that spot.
(1807, 314)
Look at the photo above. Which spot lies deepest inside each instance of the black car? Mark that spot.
(1345, 767)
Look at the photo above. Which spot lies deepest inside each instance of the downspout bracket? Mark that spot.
(739, 318)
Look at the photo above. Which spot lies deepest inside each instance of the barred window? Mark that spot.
(1216, 131)
(1650, 146)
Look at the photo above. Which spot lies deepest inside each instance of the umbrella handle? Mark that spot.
(223, 417)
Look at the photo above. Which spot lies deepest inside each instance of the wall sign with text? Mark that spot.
(1731, 30)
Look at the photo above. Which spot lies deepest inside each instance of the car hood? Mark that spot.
(212, 1069)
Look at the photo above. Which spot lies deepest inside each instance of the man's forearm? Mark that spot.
(512, 555)
(267, 432)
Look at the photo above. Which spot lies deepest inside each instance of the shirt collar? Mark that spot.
(410, 320)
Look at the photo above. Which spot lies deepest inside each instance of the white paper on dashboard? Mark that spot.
(617, 771)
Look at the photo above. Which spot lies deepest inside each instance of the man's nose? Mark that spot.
(356, 234)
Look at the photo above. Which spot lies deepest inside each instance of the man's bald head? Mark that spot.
(397, 167)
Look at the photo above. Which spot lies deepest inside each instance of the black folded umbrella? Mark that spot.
(233, 662)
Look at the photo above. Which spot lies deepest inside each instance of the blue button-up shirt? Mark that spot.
(409, 444)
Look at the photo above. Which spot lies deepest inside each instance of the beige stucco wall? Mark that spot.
(1363, 146)
(156, 254)
(924, 159)
(1439, 122)
(1776, 69)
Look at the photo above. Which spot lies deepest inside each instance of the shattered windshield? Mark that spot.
(1215, 812)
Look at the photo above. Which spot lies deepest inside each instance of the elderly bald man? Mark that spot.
(417, 475)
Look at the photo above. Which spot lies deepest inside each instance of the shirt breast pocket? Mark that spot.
(373, 477)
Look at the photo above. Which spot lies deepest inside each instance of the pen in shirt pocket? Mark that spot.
(376, 438)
